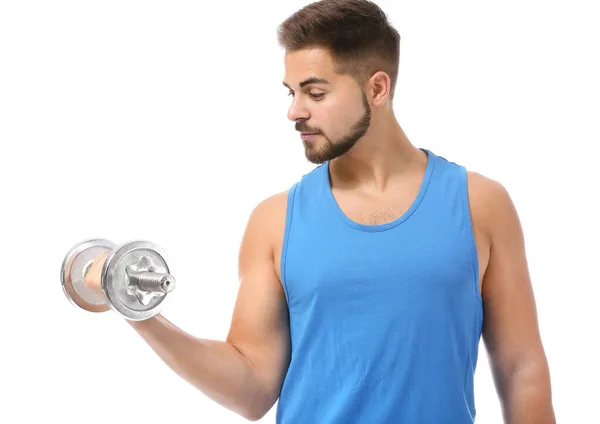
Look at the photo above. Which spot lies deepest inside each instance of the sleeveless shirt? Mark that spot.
(385, 320)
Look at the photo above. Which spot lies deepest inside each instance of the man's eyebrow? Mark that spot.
(313, 80)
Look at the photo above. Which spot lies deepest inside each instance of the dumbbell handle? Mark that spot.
(153, 281)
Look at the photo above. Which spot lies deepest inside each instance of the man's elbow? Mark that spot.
(259, 407)
(527, 393)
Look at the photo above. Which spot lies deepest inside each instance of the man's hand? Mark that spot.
(93, 277)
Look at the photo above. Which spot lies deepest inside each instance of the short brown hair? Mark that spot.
(356, 33)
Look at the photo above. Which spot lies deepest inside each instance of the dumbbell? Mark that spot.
(135, 279)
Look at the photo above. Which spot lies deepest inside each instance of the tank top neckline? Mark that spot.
(389, 225)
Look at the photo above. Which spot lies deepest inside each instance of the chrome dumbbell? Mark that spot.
(135, 278)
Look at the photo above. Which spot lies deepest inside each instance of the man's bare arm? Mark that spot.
(510, 331)
(245, 372)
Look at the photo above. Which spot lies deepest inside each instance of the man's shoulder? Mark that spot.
(270, 207)
(489, 201)
(274, 203)
(269, 215)
(484, 185)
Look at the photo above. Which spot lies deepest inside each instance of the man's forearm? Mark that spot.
(215, 367)
(528, 396)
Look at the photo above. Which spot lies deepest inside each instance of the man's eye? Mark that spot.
(314, 96)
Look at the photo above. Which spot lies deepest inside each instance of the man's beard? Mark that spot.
(332, 150)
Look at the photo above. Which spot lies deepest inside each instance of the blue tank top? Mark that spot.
(385, 320)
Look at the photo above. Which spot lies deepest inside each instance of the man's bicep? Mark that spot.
(259, 326)
(510, 330)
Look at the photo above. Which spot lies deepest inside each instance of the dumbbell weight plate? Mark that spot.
(116, 280)
(72, 275)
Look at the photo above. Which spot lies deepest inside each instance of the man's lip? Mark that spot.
(308, 133)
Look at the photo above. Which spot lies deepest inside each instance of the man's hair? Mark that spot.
(356, 33)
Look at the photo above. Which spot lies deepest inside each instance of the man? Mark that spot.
(366, 286)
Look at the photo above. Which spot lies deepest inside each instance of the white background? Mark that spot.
(166, 121)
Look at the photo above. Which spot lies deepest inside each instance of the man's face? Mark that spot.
(337, 109)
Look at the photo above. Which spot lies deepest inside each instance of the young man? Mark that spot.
(366, 286)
